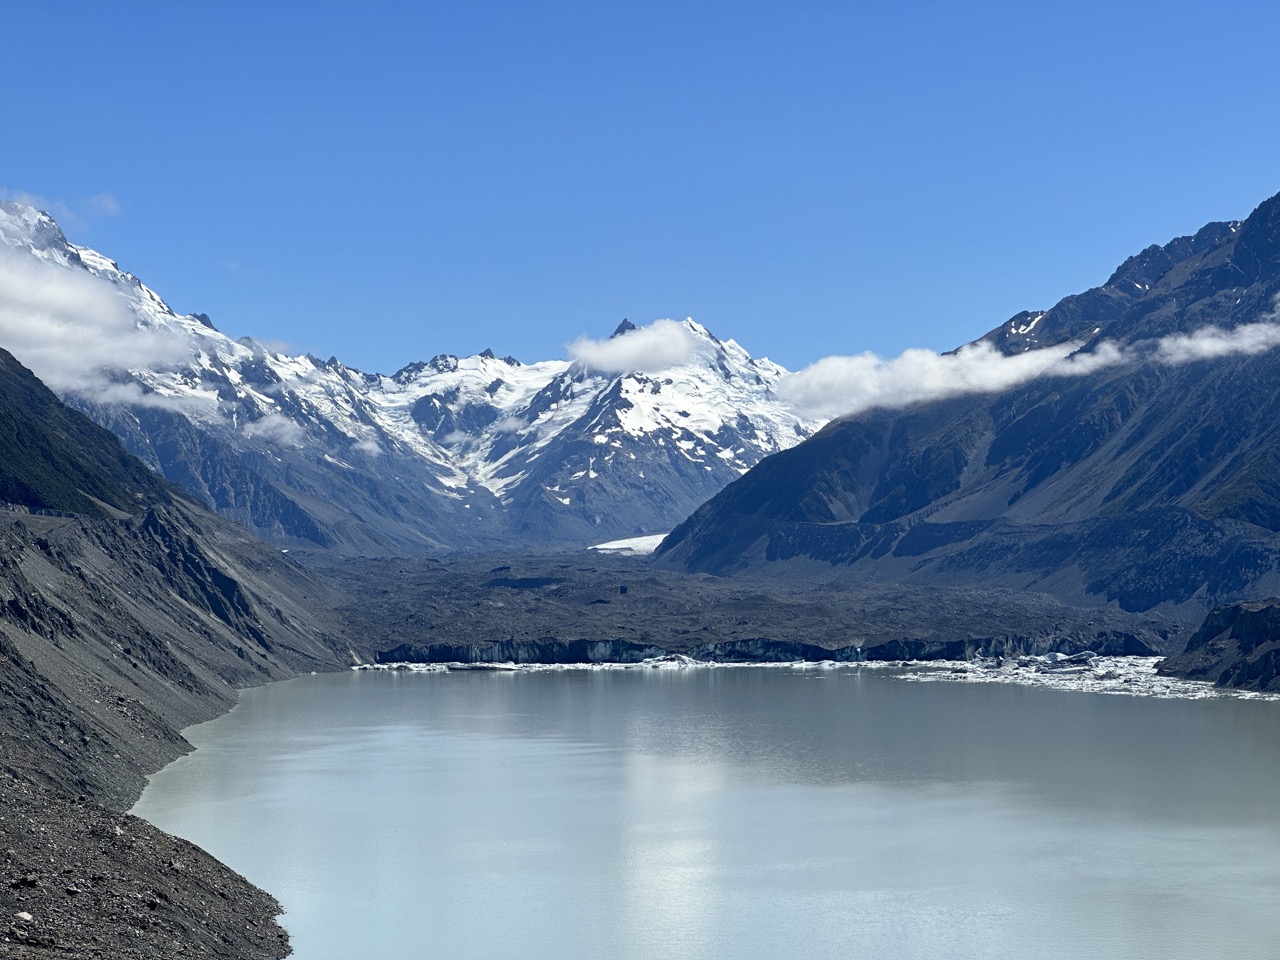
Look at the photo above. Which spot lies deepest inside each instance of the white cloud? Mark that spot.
(509, 425)
(131, 393)
(842, 386)
(369, 447)
(70, 327)
(837, 386)
(652, 349)
(1209, 343)
(104, 204)
(275, 428)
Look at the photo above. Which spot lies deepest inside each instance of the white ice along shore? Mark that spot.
(1082, 672)
(1085, 672)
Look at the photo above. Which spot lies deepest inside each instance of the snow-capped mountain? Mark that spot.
(454, 451)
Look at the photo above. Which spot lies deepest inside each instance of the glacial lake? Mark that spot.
(739, 813)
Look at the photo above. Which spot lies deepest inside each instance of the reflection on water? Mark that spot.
(739, 813)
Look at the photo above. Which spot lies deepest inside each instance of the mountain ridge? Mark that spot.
(448, 452)
(1149, 481)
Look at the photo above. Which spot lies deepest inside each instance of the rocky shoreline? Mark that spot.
(114, 636)
(85, 881)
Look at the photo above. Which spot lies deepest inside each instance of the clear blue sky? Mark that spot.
(388, 181)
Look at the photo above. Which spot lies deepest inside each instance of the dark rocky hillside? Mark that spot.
(51, 458)
(1238, 645)
(1147, 485)
(126, 614)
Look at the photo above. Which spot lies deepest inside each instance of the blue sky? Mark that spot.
(385, 182)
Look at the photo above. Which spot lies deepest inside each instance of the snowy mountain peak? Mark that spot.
(25, 227)
(624, 439)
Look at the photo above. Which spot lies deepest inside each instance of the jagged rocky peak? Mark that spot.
(1138, 300)
(409, 371)
(440, 363)
(1144, 270)
(447, 363)
(25, 226)
(1257, 248)
(626, 326)
(488, 354)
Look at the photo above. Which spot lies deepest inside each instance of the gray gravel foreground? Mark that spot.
(81, 881)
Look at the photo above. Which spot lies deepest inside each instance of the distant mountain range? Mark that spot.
(1137, 468)
(453, 451)
(1143, 471)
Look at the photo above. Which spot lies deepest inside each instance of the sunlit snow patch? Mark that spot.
(633, 547)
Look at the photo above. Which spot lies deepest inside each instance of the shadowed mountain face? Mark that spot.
(110, 579)
(126, 614)
(1152, 481)
(52, 458)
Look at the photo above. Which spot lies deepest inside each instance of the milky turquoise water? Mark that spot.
(739, 813)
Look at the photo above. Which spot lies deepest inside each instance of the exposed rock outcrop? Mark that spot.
(1238, 645)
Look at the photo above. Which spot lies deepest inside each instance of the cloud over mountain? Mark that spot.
(844, 386)
(841, 386)
(71, 327)
(1210, 343)
(652, 349)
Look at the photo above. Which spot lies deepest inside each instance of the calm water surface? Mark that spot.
(739, 813)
